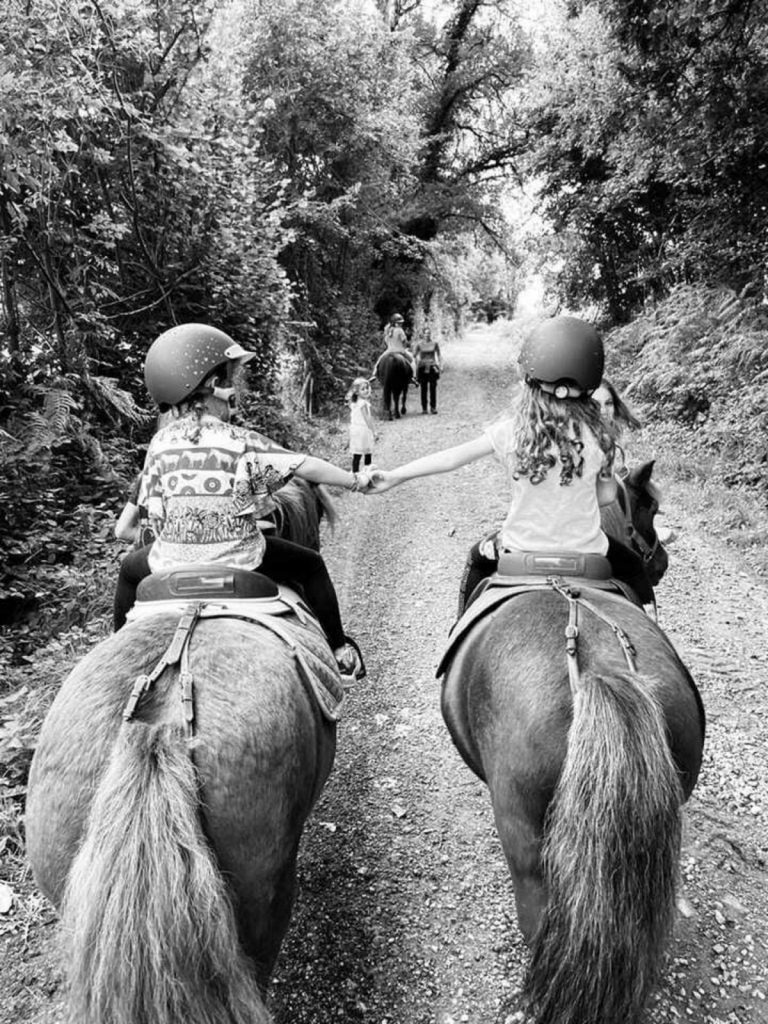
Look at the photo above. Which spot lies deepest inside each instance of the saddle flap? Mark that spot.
(206, 583)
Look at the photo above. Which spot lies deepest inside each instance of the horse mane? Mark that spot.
(300, 508)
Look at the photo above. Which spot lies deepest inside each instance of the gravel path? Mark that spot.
(404, 912)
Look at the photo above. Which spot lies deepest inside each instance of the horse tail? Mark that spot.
(610, 858)
(150, 925)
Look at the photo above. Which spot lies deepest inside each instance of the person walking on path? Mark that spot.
(428, 370)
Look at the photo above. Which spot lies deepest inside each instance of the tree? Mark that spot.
(647, 125)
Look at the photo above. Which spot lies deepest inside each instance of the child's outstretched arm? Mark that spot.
(318, 471)
(444, 461)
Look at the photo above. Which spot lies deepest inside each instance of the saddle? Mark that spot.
(523, 572)
(213, 591)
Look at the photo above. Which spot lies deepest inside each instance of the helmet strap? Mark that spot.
(225, 395)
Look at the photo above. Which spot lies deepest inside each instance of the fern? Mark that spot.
(118, 403)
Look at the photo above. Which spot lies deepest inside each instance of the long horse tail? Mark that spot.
(610, 857)
(150, 925)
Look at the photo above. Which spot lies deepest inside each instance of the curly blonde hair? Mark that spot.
(357, 384)
(550, 430)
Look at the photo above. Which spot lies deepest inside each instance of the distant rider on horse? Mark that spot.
(396, 341)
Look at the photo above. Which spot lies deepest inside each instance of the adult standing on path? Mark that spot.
(428, 369)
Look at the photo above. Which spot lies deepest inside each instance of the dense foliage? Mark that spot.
(295, 172)
(700, 358)
(267, 168)
(649, 123)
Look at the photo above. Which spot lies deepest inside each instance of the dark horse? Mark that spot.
(394, 375)
(173, 860)
(630, 519)
(588, 757)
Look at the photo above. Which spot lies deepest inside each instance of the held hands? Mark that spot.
(381, 480)
(374, 481)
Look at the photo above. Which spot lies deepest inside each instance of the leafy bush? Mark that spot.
(700, 357)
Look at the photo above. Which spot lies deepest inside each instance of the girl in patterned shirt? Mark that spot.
(207, 484)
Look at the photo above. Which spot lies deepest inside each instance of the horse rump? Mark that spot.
(149, 923)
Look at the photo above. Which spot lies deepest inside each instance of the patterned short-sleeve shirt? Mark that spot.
(206, 486)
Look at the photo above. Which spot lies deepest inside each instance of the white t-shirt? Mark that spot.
(550, 516)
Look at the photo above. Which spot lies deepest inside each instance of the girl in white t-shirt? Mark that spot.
(361, 429)
(558, 452)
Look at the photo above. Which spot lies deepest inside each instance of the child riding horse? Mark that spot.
(558, 452)
(208, 484)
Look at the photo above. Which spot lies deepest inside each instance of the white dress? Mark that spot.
(360, 434)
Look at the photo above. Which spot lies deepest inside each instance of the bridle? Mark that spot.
(644, 549)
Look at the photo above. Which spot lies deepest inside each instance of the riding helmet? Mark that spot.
(562, 354)
(396, 318)
(180, 359)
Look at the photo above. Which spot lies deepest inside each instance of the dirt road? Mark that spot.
(404, 912)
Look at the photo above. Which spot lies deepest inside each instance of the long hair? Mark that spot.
(551, 430)
(622, 413)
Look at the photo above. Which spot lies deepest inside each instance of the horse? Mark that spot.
(574, 708)
(630, 518)
(394, 374)
(172, 859)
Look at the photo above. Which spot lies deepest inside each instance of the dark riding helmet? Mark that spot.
(562, 355)
(180, 359)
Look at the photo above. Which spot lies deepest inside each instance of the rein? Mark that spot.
(641, 545)
(574, 599)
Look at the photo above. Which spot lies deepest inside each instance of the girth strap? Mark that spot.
(177, 652)
(573, 596)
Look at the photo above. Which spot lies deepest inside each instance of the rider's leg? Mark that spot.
(477, 568)
(433, 390)
(628, 566)
(133, 568)
(355, 462)
(284, 562)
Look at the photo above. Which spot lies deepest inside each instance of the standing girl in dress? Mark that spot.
(361, 431)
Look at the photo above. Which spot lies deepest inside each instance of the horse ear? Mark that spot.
(642, 474)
